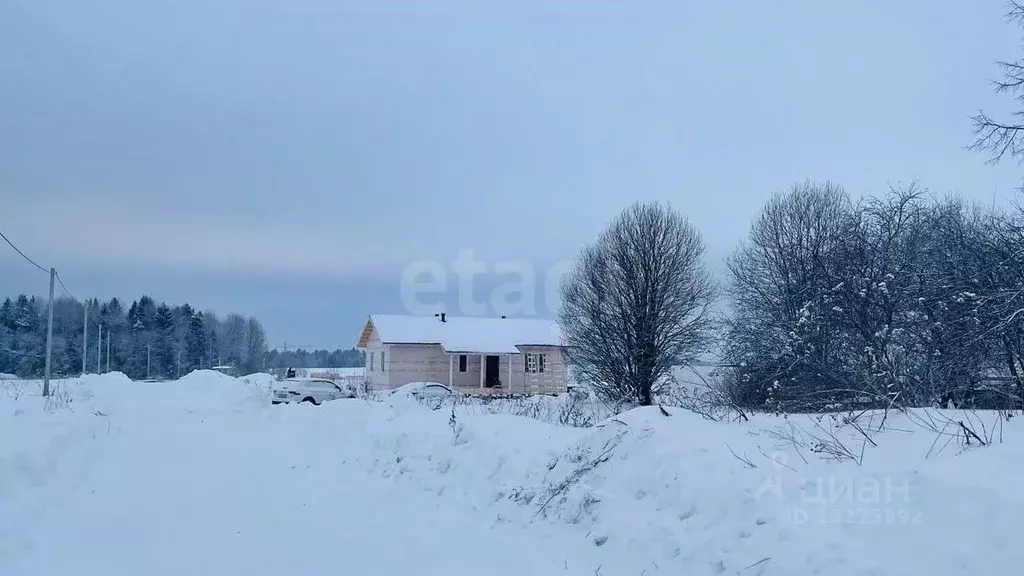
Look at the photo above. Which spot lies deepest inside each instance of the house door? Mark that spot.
(491, 367)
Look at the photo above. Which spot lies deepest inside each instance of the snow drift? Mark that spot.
(204, 475)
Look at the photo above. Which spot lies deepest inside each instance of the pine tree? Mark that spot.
(163, 345)
(115, 326)
(6, 334)
(69, 361)
(142, 328)
(197, 344)
(29, 337)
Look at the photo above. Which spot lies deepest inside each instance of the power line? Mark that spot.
(36, 264)
(63, 287)
(54, 277)
(16, 249)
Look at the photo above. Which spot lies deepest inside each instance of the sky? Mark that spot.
(304, 161)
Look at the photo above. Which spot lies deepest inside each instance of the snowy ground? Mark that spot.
(201, 476)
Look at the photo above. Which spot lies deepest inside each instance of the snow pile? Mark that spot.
(110, 380)
(695, 495)
(260, 383)
(261, 379)
(225, 483)
(210, 390)
(722, 498)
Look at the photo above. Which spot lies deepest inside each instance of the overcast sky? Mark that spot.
(290, 159)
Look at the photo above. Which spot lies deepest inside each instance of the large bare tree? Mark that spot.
(637, 304)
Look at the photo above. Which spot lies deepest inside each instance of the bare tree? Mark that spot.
(785, 284)
(637, 304)
(232, 339)
(999, 138)
(1001, 301)
(255, 346)
(879, 257)
(895, 301)
(951, 305)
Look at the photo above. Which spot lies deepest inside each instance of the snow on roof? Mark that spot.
(466, 333)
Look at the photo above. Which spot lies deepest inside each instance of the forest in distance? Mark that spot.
(149, 339)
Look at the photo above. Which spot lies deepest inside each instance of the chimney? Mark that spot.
(442, 317)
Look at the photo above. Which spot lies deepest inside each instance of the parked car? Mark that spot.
(310, 390)
(423, 390)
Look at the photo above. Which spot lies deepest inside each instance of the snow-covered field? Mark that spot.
(201, 476)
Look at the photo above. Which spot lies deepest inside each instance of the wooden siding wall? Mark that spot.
(407, 363)
(554, 378)
(375, 377)
(416, 363)
(468, 379)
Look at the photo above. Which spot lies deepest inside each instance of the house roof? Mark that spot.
(470, 334)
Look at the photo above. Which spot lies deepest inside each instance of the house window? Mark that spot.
(462, 362)
(381, 360)
(371, 361)
(534, 363)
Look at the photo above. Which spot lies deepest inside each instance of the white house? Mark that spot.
(471, 354)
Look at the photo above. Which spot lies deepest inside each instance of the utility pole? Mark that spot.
(108, 350)
(85, 335)
(177, 374)
(148, 350)
(99, 349)
(49, 337)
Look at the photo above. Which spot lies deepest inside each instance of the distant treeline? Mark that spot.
(149, 338)
(315, 359)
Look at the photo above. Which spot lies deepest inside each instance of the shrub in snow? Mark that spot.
(13, 388)
(577, 408)
(458, 429)
(60, 397)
